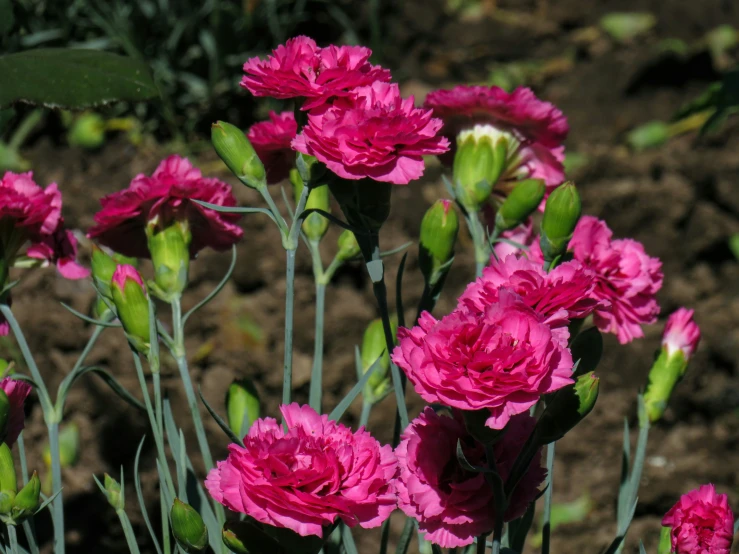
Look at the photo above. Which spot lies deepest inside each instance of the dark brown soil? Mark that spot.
(681, 201)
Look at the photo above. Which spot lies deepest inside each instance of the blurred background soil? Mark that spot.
(680, 200)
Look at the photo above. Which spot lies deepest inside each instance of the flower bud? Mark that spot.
(188, 527)
(439, 228)
(132, 305)
(27, 500)
(170, 255)
(481, 157)
(315, 225)
(348, 246)
(679, 341)
(87, 131)
(113, 493)
(567, 408)
(8, 479)
(561, 213)
(242, 406)
(374, 346)
(7, 499)
(103, 267)
(238, 154)
(5, 409)
(520, 203)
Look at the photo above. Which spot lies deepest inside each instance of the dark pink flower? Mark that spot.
(161, 199)
(627, 278)
(307, 477)
(17, 392)
(372, 133)
(681, 333)
(502, 360)
(564, 294)
(300, 69)
(701, 523)
(32, 215)
(451, 504)
(538, 127)
(271, 141)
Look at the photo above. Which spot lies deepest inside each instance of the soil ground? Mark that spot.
(681, 201)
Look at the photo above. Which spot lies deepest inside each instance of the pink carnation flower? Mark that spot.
(564, 294)
(300, 69)
(681, 333)
(539, 127)
(34, 216)
(308, 476)
(17, 392)
(701, 523)
(161, 199)
(626, 277)
(502, 360)
(373, 133)
(452, 505)
(124, 272)
(271, 141)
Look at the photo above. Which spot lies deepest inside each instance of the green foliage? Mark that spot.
(626, 26)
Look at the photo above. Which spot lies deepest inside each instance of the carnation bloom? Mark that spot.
(502, 360)
(31, 214)
(626, 277)
(701, 523)
(17, 392)
(564, 294)
(536, 128)
(162, 199)
(453, 505)
(373, 133)
(271, 141)
(307, 477)
(300, 69)
(681, 333)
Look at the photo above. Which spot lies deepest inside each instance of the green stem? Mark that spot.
(57, 507)
(316, 380)
(480, 241)
(264, 191)
(133, 546)
(364, 417)
(166, 545)
(287, 374)
(546, 530)
(24, 129)
(13, 539)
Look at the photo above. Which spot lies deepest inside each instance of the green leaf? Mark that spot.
(73, 79)
(7, 19)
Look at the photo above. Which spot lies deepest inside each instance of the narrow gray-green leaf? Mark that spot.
(339, 410)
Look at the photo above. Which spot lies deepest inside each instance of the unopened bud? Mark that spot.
(374, 347)
(7, 499)
(87, 131)
(103, 267)
(113, 492)
(348, 246)
(439, 228)
(8, 479)
(27, 500)
(132, 305)
(170, 255)
(238, 154)
(522, 201)
(561, 214)
(481, 158)
(69, 446)
(567, 408)
(315, 225)
(188, 527)
(242, 406)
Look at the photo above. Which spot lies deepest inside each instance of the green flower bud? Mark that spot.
(4, 414)
(480, 160)
(8, 479)
(114, 493)
(649, 135)
(315, 225)
(348, 246)
(7, 499)
(567, 408)
(561, 213)
(27, 500)
(188, 527)
(439, 228)
(103, 267)
(170, 254)
(242, 406)
(374, 347)
(667, 371)
(523, 200)
(87, 131)
(238, 154)
(665, 541)
(132, 306)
